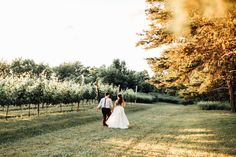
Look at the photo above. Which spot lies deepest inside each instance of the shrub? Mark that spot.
(213, 105)
(130, 96)
(169, 99)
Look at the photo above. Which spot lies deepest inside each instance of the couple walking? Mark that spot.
(113, 115)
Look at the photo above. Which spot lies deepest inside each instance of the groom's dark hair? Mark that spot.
(107, 94)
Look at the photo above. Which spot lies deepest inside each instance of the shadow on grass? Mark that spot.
(14, 130)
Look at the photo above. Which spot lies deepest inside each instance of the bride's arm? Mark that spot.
(124, 104)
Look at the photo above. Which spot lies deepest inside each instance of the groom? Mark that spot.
(106, 105)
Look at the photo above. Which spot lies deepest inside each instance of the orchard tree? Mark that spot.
(4, 68)
(91, 75)
(71, 71)
(144, 86)
(115, 74)
(43, 69)
(21, 66)
(201, 36)
(119, 75)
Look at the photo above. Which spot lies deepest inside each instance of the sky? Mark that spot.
(93, 32)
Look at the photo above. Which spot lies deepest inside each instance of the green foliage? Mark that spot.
(118, 75)
(128, 94)
(213, 105)
(4, 68)
(20, 67)
(169, 99)
(145, 98)
(113, 90)
(25, 82)
(71, 71)
(215, 95)
(131, 96)
(28, 90)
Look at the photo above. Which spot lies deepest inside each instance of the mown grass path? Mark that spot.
(155, 130)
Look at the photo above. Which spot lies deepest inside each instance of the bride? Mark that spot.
(118, 118)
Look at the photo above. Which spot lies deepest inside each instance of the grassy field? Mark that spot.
(155, 130)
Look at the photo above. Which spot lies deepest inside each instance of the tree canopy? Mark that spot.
(119, 75)
(70, 71)
(201, 36)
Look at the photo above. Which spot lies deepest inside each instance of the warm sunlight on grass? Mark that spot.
(155, 130)
(157, 149)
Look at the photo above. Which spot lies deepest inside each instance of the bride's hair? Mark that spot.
(120, 100)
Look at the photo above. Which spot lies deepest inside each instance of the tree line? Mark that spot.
(116, 74)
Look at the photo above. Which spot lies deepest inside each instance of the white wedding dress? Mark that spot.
(118, 118)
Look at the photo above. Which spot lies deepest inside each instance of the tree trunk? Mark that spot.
(60, 107)
(29, 111)
(98, 92)
(231, 95)
(78, 107)
(7, 111)
(21, 110)
(72, 107)
(47, 108)
(38, 109)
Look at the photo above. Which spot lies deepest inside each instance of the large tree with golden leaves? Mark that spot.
(201, 36)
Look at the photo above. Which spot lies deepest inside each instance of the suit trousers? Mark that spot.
(106, 112)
